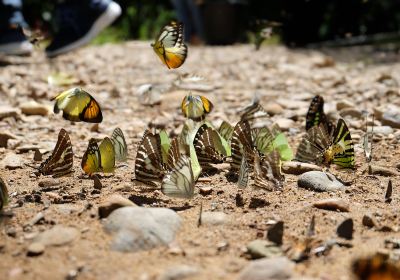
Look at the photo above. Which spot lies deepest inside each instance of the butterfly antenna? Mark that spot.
(34, 167)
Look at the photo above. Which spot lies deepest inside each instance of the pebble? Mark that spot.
(278, 268)
(345, 229)
(112, 203)
(384, 129)
(7, 112)
(319, 181)
(34, 108)
(205, 190)
(4, 137)
(285, 124)
(297, 168)
(344, 104)
(57, 236)
(391, 119)
(273, 109)
(179, 272)
(275, 233)
(214, 218)
(11, 162)
(263, 249)
(333, 204)
(138, 228)
(35, 249)
(382, 171)
(48, 182)
(350, 112)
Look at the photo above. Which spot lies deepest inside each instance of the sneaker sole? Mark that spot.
(112, 12)
(16, 48)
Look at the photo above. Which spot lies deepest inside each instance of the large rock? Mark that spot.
(139, 228)
(268, 269)
(319, 181)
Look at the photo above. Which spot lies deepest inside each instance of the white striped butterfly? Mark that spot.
(207, 145)
(179, 182)
(78, 105)
(317, 146)
(99, 158)
(119, 143)
(243, 172)
(267, 171)
(169, 45)
(61, 160)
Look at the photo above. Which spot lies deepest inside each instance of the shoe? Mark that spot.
(14, 42)
(79, 24)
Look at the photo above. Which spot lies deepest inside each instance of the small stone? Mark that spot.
(345, 229)
(4, 137)
(319, 181)
(12, 232)
(38, 155)
(344, 104)
(112, 203)
(368, 221)
(350, 112)
(205, 190)
(297, 168)
(35, 249)
(273, 109)
(57, 236)
(139, 228)
(239, 200)
(7, 112)
(333, 204)
(285, 124)
(382, 171)
(263, 249)
(34, 108)
(391, 119)
(275, 233)
(11, 162)
(214, 218)
(279, 268)
(48, 182)
(385, 130)
(256, 202)
(179, 272)
(38, 217)
(387, 228)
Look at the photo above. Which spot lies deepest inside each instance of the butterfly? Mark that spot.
(254, 113)
(243, 173)
(241, 142)
(61, 160)
(170, 149)
(195, 107)
(226, 131)
(119, 143)
(179, 182)
(169, 45)
(78, 105)
(99, 158)
(316, 115)
(376, 267)
(317, 146)
(3, 194)
(149, 166)
(207, 145)
(267, 169)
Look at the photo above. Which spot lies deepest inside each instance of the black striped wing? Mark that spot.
(226, 130)
(316, 115)
(148, 165)
(241, 141)
(268, 173)
(205, 147)
(61, 160)
(119, 143)
(342, 147)
(174, 153)
(243, 173)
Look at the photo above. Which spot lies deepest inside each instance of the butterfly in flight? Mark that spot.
(78, 105)
(376, 267)
(119, 143)
(61, 160)
(169, 45)
(316, 115)
(196, 107)
(318, 147)
(3, 194)
(179, 182)
(99, 158)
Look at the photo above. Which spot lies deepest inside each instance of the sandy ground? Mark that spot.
(286, 80)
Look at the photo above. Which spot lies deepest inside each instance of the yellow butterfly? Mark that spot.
(169, 45)
(99, 158)
(78, 105)
(195, 107)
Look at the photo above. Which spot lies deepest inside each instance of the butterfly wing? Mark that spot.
(91, 158)
(375, 267)
(343, 147)
(119, 143)
(281, 144)
(243, 173)
(107, 155)
(179, 182)
(263, 140)
(169, 45)
(61, 160)
(3, 194)
(225, 130)
(206, 147)
(195, 107)
(78, 105)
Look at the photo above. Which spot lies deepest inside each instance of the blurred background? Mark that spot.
(296, 23)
